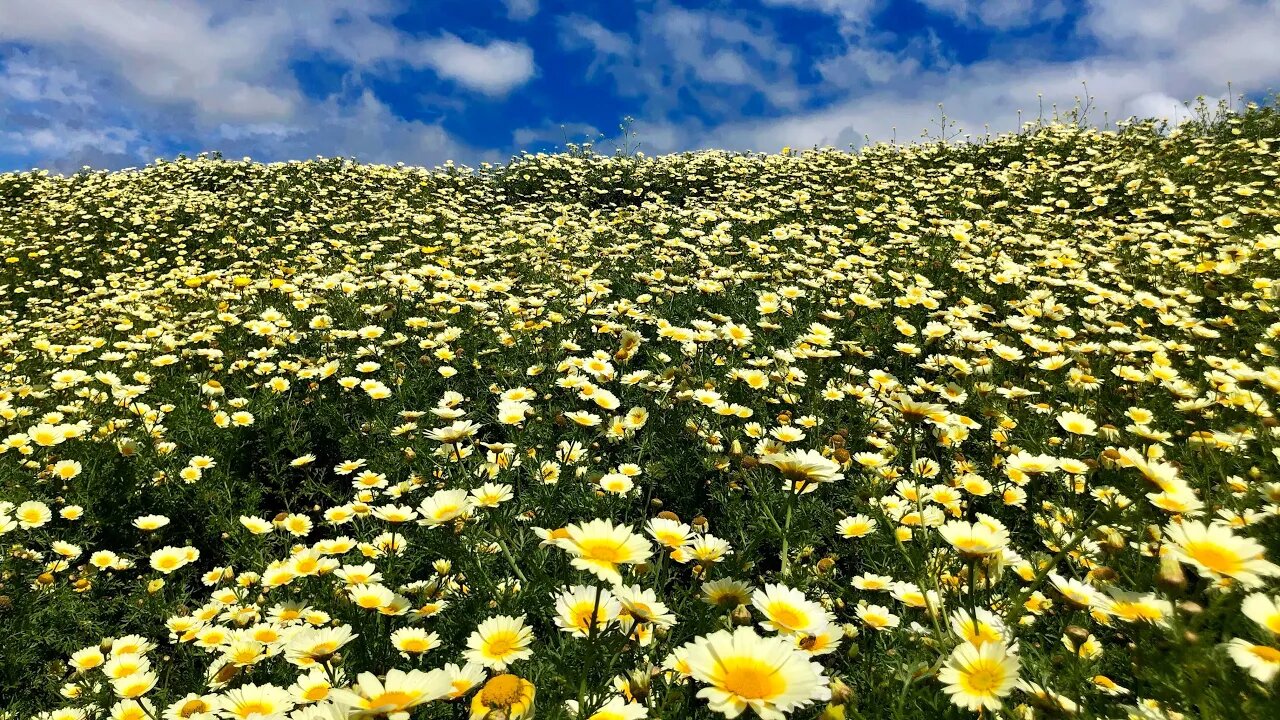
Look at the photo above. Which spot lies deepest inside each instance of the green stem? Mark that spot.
(506, 552)
(786, 532)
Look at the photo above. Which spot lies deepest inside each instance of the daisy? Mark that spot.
(856, 526)
(1217, 553)
(600, 547)
(803, 470)
(462, 680)
(981, 627)
(877, 617)
(395, 696)
(316, 646)
(444, 506)
(641, 605)
(411, 641)
(1077, 423)
(981, 539)
(670, 533)
(788, 611)
(1263, 610)
(575, 607)
(727, 593)
(499, 641)
(506, 696)
(1260, 661)
(976, 677)
(254, 702)
(743, 670)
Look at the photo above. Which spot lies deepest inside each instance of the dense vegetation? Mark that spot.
(918, 431)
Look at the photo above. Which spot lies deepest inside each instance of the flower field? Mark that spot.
(923, 431)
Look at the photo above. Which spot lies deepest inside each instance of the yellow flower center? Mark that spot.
(603, 551)
(982, 678)
(752, 679)
(1268, 654)
(501, 691)
(501, 645)
(193, 706)
(254, 707)
(393, 700)
(786, 617)
(1215, 557)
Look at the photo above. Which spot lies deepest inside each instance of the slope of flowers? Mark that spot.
(923, 431)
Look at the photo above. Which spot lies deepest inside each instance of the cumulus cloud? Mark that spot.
(112, 79)
(690, 61)
(494, 68)
(1154, 56)
(521, 9)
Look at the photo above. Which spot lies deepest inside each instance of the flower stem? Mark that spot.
(786, 532)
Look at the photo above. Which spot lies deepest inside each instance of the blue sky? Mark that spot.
(117, 83)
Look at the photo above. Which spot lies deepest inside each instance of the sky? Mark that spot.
(118, 83)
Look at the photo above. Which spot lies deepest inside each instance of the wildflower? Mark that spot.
(394, 696)
(509, 694)
(1260, 661)
(977, 677)
(1214, 551)
(744, 670)
(600, 547)
(804, 470)
(499, 641)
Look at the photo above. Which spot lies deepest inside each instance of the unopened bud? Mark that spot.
(832, 711)
(841, 693)
(1171, 577)
(741, 616)
(1112, 541)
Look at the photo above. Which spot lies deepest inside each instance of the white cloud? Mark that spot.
(555, 134)
(854, 13)
(521, 9)
(1154, 55)
(1000, 14)
(113, 77)
(59, 140)
(683, 59)
(363, 127)
(494, 69)
(173, 52)
(228, 61)
(579, 31)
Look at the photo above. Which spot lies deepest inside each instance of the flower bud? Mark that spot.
(1171, 577)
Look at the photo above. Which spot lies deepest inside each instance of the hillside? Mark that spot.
(908, 432)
